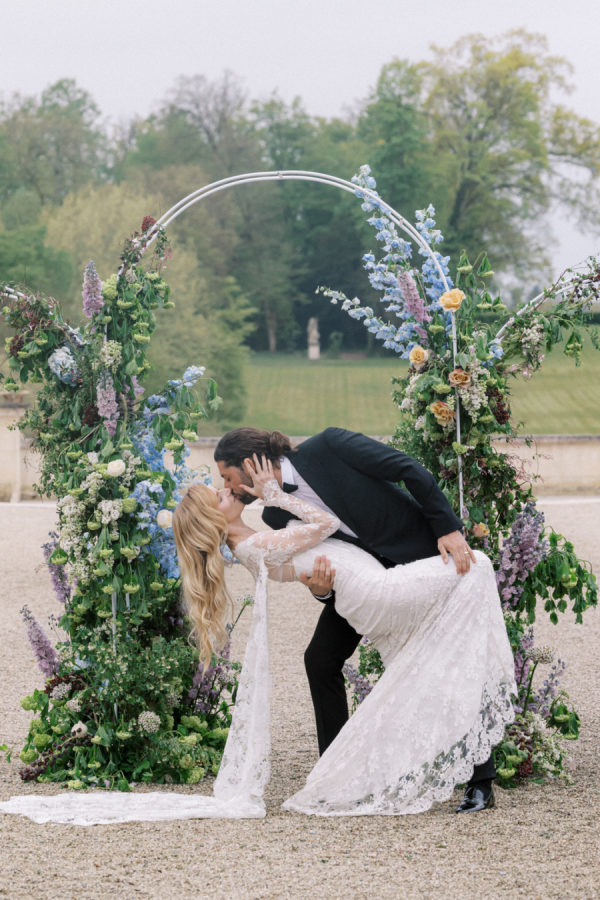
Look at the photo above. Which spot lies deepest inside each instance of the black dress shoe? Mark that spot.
(477, 797)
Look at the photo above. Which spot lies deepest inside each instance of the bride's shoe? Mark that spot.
(477, 797)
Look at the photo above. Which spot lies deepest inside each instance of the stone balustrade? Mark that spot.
(564, 463)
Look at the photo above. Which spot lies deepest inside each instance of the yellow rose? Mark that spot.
(480, 530)
(459, 378)
(444, 415)
(418, 356)
(451, 300)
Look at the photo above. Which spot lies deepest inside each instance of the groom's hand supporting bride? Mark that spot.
(320, 581)
(456, 545)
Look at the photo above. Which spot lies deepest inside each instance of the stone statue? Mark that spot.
(312, 330)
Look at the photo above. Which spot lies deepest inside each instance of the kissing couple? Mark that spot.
(390, 563)
(387, 562)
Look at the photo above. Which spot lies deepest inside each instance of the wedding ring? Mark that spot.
(466, 552)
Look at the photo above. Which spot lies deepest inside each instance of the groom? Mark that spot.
(356, 478)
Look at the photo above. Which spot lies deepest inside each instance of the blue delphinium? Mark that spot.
(385, 275)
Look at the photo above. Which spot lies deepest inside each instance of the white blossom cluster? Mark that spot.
(148, 721)
(131, 461)
(74, 538)
(172, 699)
(60, 691)
(92, 484)
(110, 511)
(408, 403)
(473, 396)
(110, 355)
(532, 339)
(532, 343)
(544, 655)
(73, 705)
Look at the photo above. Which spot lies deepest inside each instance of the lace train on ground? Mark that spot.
(439, 708)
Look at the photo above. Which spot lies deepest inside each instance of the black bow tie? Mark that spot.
(289, 488)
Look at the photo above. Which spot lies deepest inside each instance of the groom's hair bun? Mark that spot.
(237, 445)
(279, 444)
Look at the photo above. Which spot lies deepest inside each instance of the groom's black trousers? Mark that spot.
(333, 642)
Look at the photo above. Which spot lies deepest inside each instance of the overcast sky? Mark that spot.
(128, 53)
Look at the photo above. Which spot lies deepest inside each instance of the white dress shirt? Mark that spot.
(289, 475)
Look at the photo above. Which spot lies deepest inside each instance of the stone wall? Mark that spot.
(566, 464)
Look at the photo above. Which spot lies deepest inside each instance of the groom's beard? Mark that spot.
(241, 494)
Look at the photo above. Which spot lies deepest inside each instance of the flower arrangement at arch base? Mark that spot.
(125, 698)
(463, 348)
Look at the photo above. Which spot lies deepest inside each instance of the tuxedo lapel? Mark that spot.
(332, 483)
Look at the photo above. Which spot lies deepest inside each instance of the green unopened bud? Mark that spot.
(28, 756)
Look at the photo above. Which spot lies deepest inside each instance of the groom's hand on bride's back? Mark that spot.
(455, 545)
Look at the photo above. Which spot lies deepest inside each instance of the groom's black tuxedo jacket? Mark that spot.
(355, 476)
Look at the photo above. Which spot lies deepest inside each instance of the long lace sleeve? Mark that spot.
(280, 546)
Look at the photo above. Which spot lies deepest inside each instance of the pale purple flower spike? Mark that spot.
(92, 291)
(44, 651)
(106, 403)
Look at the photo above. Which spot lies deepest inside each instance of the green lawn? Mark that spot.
(301, 397)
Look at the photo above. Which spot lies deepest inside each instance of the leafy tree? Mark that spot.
(502, 146)
(211, 320)
(25, 258)
(396, 128)
(51, 146)
(215, 112)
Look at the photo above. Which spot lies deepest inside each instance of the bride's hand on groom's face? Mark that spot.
(260, 471)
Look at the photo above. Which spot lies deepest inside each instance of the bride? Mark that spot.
(441, 705)
(444, 699)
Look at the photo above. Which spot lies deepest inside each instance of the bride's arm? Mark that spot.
(280, 546)
(317, 524)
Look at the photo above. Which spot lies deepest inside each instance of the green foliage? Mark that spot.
(454, 399)
(476, 126)
(127, 674)
(51, 146)
(560, 579)
(25, 258)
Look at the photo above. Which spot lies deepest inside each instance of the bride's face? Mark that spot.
(227, 503)
(233, 478)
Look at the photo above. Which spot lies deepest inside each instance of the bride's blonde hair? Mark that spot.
(200, 529)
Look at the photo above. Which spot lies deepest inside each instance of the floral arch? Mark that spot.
(125, 698)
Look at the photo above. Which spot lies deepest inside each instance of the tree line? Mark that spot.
(476, 130)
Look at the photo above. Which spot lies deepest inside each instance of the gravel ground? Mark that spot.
(541, 841)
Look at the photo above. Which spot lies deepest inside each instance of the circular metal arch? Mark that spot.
(332, 181)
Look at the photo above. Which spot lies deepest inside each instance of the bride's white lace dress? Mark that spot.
(441, 705)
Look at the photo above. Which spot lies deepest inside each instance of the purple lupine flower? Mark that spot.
(202, 686)
(92, 291)
(138, 390)
(361, 686)
(58, 574)
(549, 690)
(413, 302)
(106, 402)
(523, 664)
(45, 653)
(521, 553)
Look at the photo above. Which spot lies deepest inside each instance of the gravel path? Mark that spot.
(540, 842)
